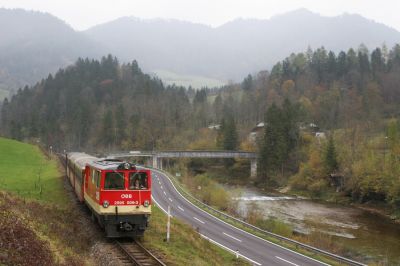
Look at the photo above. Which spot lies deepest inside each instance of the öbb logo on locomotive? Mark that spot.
(117, 193)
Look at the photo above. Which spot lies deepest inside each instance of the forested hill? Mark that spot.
(34, 44)
(236, 48)
(333, 90)
(96, 104)
(351, 96)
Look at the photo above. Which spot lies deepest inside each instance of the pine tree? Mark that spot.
(273, 146)
(331, 163)
(4, 114)
(280, 138)
(230, 135)
(218, 107)
(108, 130)
(341, 68)
(121, 124)
(227, 138)
(247, 83)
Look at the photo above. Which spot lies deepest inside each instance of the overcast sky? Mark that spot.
(82, 14)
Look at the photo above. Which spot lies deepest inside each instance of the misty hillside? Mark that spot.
(33, 44)
(236, 48)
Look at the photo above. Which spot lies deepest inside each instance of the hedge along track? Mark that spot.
(135, 254)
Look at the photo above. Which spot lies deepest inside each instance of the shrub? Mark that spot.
(318, 187)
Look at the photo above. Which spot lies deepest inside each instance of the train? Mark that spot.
(117, 193)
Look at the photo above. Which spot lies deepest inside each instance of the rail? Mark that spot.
(257, 229)
(148, 259)
(138, 254)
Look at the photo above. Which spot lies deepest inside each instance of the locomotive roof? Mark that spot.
(81, 159)
(107, 164)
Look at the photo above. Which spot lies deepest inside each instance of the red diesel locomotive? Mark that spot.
(117, 193)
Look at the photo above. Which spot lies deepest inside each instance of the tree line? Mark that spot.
(352, 96)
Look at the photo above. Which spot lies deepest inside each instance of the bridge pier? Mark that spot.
(160, 163)
(253, 168)
(155, 161)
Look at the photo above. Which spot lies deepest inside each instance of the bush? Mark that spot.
(394, 195)
(209, 191)
(254, 214)
(301, 180)
(275, 226)
(318, 187)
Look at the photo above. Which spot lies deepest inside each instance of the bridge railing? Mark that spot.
(188, 154)
(210, 209)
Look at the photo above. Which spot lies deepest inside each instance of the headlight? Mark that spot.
(146, 203)
(106, 204)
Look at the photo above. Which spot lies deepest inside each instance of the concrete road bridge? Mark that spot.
(156, 157)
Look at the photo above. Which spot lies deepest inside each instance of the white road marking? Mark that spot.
(232, 237)
(159, 182)
(160, 206)
(198, 220)
(286, 261)
(170, 199)
(165, 193)
(161, 187)
(231, 250)
(179, 207)
(216, 218)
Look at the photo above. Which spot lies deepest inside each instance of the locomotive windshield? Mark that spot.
(114, 180)
(138, 180)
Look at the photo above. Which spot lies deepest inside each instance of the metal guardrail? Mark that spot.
(265, 232)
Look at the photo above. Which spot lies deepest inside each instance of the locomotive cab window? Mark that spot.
(114, 180)
(138, 181)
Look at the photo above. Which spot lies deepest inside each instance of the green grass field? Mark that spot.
(24, 169)
(26, 172)
(197, 82)
(3, 94)
(186, 246)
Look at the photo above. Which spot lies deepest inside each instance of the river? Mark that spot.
(376, 237)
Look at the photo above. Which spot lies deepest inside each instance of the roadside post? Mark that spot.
(168, 222)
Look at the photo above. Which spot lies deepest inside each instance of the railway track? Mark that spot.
(129, 252)
(135, 254)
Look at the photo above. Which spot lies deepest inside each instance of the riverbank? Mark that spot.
(238, 176)
(331, 222)
(377, 208)
(351, 230)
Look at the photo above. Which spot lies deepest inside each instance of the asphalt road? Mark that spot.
(250, 247)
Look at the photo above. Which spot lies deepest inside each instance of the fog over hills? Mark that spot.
(236, 48)
(35, 44)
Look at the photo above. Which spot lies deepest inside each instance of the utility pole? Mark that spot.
(168, 222)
